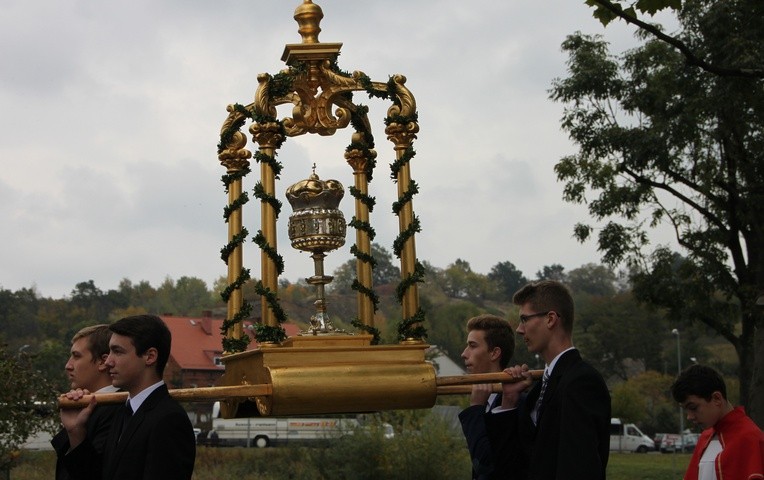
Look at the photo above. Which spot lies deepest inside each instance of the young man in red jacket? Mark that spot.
(731, 446)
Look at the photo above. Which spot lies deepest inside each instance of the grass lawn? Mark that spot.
(651, 466)
(243, 463)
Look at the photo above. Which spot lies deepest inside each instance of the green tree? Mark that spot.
(448, 327)
(592, 279)
(554, 271)
(645, 399)
(508, 279)
(384, 272)
(17, 312)
(459, 281)
(664, 142)
(24, 410)
(619, 335)
(633, 12)
(191, 296)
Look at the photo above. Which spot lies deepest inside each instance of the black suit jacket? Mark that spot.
(488, 458)
(572, 438)
(98, 427)
(157, 443)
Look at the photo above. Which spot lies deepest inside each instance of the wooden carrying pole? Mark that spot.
(462, 384)
(180, 394)
(450, 385)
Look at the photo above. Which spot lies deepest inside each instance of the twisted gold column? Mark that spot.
(268, 136)
(359, 163)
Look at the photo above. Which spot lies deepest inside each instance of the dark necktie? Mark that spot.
(126, 413)
(537, 408)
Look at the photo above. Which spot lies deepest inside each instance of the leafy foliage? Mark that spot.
(385, 271)
(748, 12)
(24, 408)
(662, 142)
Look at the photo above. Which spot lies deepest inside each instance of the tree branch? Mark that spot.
(691, 58)
(662, 186)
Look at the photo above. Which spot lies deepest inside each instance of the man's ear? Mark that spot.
(495, 354)
(151, 356)
(717, 397)
(552, 320)
(101, 363)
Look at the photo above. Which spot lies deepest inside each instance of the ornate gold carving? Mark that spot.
(358, 161)
(402, 134)
(308, 17)
(234, 156)
(267, 135)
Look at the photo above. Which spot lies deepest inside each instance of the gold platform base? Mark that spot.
(330, 374)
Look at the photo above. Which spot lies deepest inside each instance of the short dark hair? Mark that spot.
(698, 380)
(498, 333)
(146, 331)
(98, 340)
(548, 295)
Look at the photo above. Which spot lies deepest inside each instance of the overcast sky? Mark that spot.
(111, 113)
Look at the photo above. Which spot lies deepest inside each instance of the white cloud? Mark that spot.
(112, 111)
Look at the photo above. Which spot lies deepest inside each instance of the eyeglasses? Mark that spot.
(525, 318)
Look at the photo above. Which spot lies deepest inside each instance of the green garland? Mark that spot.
(417, 276)
(261, 242)
(234, 345)
(269, 199)
(261, 157)
(374, 332)
(237, 204)
(237, 240)
(267, 333)
(229, 178)
(364, 257)
(407, 196)
(396, 166)
(226, 136)
(357, 286)
(370, 202)
(365, 145)
(408, 327)
(405, 330)
(413, 228)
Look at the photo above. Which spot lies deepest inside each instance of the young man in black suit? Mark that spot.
(86, 369)
(563, 428)
(490, 345)
(157, 440)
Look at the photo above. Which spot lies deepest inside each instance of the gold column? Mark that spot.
(410, 302)
(234, 157)
(403, 135)
(359, 163)
(268, 136)
(236, 260)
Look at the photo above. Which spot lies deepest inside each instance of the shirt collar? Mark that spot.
(136, 401)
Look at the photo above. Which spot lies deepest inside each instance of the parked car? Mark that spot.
(672, 443)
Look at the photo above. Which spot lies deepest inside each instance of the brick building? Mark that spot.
(197, 347)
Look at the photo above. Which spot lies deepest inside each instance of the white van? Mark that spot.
(626, 437)
(266, 431)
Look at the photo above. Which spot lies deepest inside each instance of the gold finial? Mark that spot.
(308, 17)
